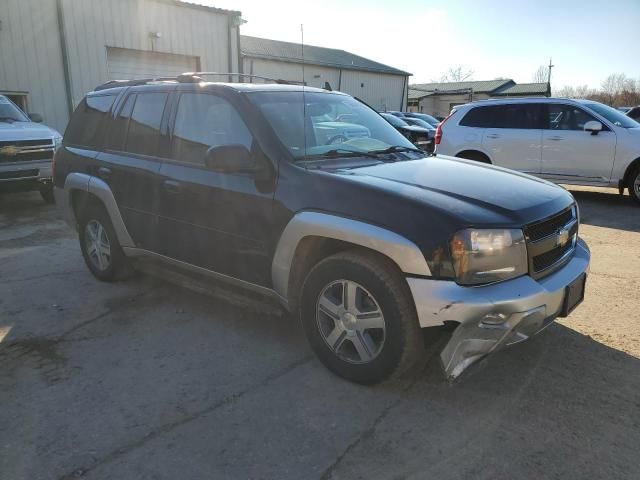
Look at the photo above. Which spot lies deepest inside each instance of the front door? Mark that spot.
(569, 153)
(210, 217)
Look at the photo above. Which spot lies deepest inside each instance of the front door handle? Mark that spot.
(556, 138)
(104, 173)
(171, 186)
(493, 135)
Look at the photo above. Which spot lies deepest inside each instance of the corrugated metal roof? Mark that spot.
(292, 52)
(525, 89)
(195, 4)
(416, 94)
(481, 86)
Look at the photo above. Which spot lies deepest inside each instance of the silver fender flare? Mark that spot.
(100, 189)
(403, 252)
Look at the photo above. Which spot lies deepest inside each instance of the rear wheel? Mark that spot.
(634, 185)
(99, 245)
(359, 317)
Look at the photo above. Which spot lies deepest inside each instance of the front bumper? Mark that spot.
(34, 173)
(527, 306)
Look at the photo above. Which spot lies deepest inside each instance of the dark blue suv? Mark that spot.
(366, 238)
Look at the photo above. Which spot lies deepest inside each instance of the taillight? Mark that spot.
(438, 136)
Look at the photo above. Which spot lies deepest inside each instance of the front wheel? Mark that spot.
(359, 317)
(634, 185)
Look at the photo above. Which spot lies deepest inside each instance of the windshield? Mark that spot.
(9, 112)
(333, 123)
(614, 116)
(425, 117)
(419, 123)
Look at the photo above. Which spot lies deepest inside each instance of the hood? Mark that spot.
(475, 193)
(25, 131)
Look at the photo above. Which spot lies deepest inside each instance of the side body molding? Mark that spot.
(403, 252)
(97, 187)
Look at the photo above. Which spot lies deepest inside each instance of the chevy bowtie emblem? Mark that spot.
(562, 238)
(9, 150)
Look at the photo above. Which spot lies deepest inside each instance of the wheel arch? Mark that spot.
(474, 152)
(81, 190)
(311, 236)
(629, 171)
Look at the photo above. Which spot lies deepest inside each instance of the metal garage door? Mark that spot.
(125, 64)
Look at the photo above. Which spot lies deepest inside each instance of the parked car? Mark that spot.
(421, 137)
(366, 242)
(332, 133)
(26, 151)
(423, 116)
(578, 142)
(634, 113)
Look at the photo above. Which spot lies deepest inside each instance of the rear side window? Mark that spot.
(120, 124)
(87, 122)
(143, 134)
(204, 121)
(517, 116)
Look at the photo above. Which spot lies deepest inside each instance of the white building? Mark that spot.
(380, 86)
(54, 51)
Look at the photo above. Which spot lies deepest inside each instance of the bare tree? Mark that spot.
(616, 90)
(541, 75)
(457, 74)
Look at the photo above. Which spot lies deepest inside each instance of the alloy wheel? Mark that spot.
(97, 245)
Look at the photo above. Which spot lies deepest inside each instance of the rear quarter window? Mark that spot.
(87, 123)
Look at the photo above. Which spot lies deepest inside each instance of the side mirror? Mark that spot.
(593, 126)
(237, 159)
(35, 117)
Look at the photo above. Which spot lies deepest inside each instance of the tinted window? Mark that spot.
(86, 125)
(204, 121)
(144, 125)
(119, 125)
(520, 116)
(567, 117)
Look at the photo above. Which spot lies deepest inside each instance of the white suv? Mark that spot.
(567, 141)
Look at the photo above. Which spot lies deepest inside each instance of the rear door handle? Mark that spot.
(493, 135)
(556, 138)
(171, 186)
(104, 173)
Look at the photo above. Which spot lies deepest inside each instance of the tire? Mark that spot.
(475, 156)
(634, 185)
(366, 355)
(94, 222)
(47, 194)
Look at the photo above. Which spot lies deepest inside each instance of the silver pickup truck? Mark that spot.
(26, 151)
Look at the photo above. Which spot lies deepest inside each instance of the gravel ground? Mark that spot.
(147, 380)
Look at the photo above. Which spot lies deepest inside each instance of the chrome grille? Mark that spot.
(551, 242)
(25, 150)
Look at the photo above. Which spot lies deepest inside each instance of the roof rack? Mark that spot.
(191, 77)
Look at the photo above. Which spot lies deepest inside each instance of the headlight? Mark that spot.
(57, 142)
(485, 256)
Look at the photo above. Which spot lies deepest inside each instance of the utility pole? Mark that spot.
(549, 77)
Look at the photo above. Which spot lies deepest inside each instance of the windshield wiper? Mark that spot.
(398, 148)
(340, 153)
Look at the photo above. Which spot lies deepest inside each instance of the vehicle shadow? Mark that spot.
(606, 208)
(558, 406)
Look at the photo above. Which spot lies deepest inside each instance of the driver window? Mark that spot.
(204, 121)
(567, 117)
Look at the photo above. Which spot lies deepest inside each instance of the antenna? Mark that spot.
(304, 102)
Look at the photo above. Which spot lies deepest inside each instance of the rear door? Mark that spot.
(214, 219)
(131, 161)
(569, 153)
(513, 137)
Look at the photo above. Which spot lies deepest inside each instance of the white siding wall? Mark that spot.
(93, 25)
(381, 91)
(31, 59)
(31, 55)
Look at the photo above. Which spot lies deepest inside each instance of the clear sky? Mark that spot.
(588, 39)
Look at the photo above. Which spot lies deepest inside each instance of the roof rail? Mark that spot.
(196, 77)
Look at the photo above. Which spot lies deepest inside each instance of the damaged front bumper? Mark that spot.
(494, 316)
